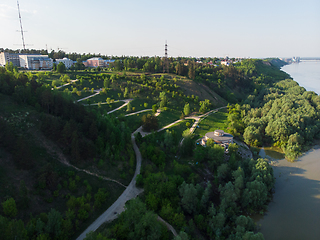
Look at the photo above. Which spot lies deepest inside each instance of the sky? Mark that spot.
(202, 28)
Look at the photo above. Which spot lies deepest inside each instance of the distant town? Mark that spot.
(299, 59)
(44, 62)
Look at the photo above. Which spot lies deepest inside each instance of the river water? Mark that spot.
(294, 212)
(306, 73)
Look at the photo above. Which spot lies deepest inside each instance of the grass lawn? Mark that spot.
(212, 122)
(134, 121)
(178, 128)
(167, 117)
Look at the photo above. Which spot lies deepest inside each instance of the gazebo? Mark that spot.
(219, 137)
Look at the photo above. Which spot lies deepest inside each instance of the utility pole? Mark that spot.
(166, 63)
(24, 46)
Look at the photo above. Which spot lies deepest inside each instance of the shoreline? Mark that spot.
(305, 73)
(295, 204)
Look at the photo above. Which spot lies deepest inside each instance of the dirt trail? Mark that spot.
(118, 206)
(56, 151)
(169, 227)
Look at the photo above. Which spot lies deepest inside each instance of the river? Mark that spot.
(306, 73)
(294, 212)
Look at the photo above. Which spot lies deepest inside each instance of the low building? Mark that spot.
(6, 58)
(97, 62)
(66, 61)
(94, 62)
(36, 62)
(225, 62)
(219, 137)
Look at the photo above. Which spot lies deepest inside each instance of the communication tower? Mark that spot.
(24, 46)
(166, 63)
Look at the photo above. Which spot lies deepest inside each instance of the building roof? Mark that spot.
(223, 136)
(95, 58)
(46, 58)
(65, 58)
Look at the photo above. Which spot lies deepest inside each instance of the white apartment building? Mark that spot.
(66, 61)
(6, 57)
(35, 62)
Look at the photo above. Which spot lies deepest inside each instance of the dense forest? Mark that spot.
(282, 114)
(203, 192)
(33, 115)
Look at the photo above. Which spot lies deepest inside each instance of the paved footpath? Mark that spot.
(71, 81)
(125, 104)
(118, 206)
(132, 191)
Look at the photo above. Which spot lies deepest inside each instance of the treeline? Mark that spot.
(283, 114)
(84, 136)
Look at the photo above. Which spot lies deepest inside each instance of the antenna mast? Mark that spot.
(166, 64)
(24, 46)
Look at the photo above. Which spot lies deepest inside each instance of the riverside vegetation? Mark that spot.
(202, 192)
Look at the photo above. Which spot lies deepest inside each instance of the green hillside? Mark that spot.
(54, 125)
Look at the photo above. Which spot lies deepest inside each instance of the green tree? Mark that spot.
(168, 138)
(106, 83)
(215, 154)
(154, 108)
(125, 94)
(129, 108)
(117, 65)
(61, 68)
(186, 109)
(187, 145)
(181, 236)
(54, 67)
(9, 66)
(53, 226)
(200, 153)
(23, 195)
(204, 105)
(149, 122)
(10, 208)
(163, 99)
(100, 197)
(255, 195)
(191, 70)
(138, 223)
(188, 195)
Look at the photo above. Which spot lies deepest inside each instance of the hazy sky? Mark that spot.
(237, 28)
